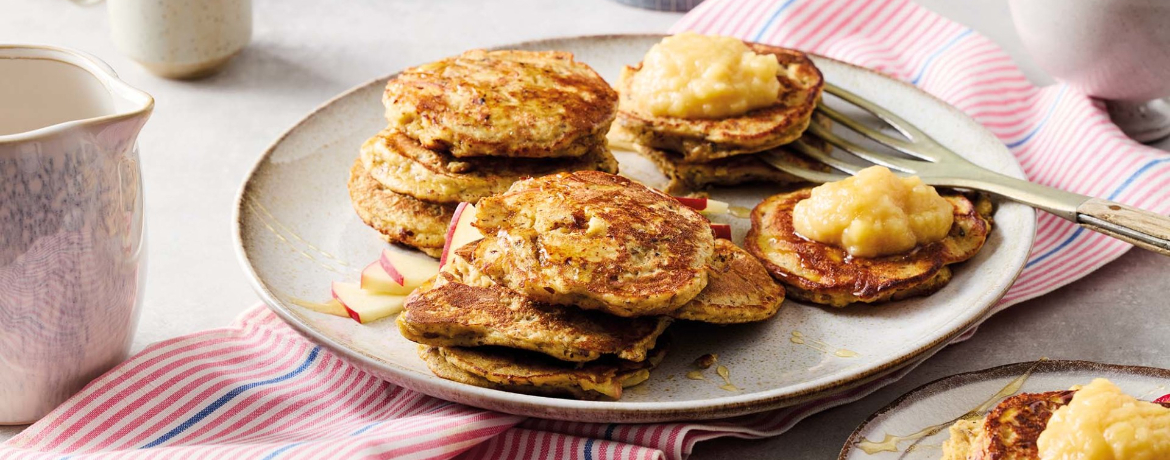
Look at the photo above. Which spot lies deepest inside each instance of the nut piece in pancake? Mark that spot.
(399, 218)
(503, 103)
(699, 140)
(463, 308)
(594, 240)
(402, 165)
(739, 290)
(522, 371)
(825, 274)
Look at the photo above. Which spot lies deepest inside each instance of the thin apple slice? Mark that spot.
(332, 307)
(722, 231)
(376, 279)
(460, 232)
(408, 268)
(365, 306)
(704, 205)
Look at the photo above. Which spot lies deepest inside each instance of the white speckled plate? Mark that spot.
(296, 232)
(914, 426)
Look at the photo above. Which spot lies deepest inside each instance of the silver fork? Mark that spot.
(939, 166)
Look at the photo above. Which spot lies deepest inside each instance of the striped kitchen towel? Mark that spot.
(260, 390)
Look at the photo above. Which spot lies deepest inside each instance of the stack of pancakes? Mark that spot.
(467, 127)
(572, 287)
(696, 153)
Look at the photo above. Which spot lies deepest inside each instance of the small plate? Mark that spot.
(296, 232)
(914, 426)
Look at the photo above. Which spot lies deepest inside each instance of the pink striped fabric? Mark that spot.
(260, 390)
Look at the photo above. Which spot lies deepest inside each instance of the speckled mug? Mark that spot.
(182, 39)
(71, 224)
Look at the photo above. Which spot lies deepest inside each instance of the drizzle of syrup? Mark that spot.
(696, 375)
(889, 442)
(268, 220)
(726, 374)
(821, 346)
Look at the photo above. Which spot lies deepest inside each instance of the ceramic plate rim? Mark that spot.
(1013, 369)
(594, 410)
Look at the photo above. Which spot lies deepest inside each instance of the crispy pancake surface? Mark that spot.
(402, 165)
(533, 373)
(503, 103)
(1009, 431)
(594, 240)
(825, 274)
(739, 290)
(464, 308)
(399, 218)
(700, 140)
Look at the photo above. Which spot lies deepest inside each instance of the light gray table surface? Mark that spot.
(205, 135)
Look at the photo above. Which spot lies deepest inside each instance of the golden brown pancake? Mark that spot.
(596, 241)
(503, 103)
(464, 308)
(403, 166)
(689, 176)
(399, 218)
(825, 274)
(522, 371)
(699, 140)
(739, 290)
(1009, 431)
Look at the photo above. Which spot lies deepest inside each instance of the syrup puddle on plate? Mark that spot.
(889, 442)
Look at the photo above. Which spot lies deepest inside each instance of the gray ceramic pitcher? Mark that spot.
(71, 228)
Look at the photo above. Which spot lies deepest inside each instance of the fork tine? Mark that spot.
(920, 145)
(900, 164)
(821, 156)
(783, 163)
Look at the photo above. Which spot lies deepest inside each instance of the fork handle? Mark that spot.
(1127, 223)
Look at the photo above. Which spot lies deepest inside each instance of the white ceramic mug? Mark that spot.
(181, 38)
(1117, 50)
(71, 226)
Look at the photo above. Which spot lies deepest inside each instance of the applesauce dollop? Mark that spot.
(874, 213)
(689, 75)
(1103, 423)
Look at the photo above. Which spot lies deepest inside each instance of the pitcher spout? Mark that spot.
(49, 90)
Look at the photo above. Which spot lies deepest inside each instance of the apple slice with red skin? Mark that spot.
(408, 269)
(460, 232)
(332, 307)
(722, 231)
(1165, 399)
(365, 306)
(704, 205)
(376, 279)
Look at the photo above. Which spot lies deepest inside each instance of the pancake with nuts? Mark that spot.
(466, 309)
(503, 103)
(596, 241)
(699, 140)
(402, 165)
(685, 176)
(739, 290)
(526, 372)
(399, 218)
(825, 274)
